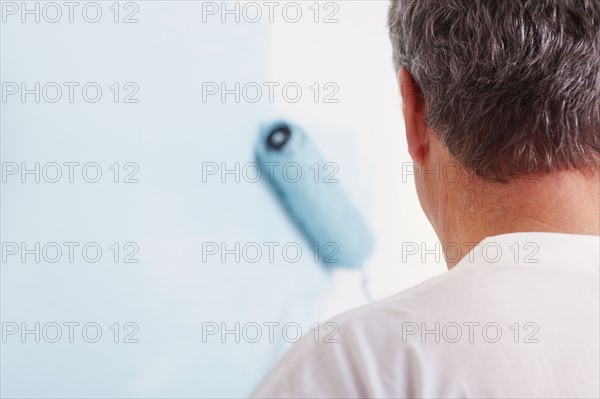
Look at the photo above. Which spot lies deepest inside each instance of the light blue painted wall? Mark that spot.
(170, 212)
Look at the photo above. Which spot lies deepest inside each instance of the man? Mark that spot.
(507, 93)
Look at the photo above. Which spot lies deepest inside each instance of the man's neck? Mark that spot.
(563, 202)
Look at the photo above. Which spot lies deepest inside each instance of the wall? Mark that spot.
(167, 137)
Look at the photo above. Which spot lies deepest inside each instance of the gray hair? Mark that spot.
(511, 87)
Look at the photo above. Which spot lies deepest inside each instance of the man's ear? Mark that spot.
(413, 108)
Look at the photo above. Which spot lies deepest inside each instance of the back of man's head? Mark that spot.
(511, 87)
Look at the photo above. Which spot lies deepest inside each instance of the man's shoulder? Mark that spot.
(344, 347)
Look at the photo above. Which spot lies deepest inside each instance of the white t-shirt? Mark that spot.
(517, 317)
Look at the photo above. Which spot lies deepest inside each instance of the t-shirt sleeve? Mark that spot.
(318, 366)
